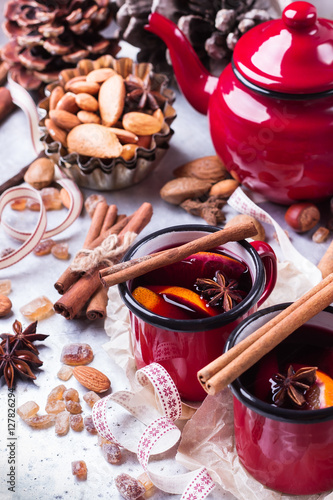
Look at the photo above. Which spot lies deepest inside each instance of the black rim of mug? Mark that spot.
(258, 406)
(197, 325)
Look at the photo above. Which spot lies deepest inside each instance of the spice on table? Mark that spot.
(17, 362)
(209, 210)
(24, 339)
(292, 387)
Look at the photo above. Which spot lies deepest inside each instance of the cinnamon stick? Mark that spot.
(172, 255)
(69, 277)
(96, 308)
(110, 218)
(221, 372)
(326, 263)
(77, 297)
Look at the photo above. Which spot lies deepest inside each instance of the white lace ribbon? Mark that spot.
(159, 432)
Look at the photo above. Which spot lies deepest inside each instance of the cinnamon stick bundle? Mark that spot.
(137, 267)
(79, 295)
(225, 369)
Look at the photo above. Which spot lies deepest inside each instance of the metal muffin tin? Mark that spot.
(114, 173)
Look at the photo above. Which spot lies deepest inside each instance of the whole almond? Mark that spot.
(68, 103)
(55, 96)
(87, 102)
(100, 75)
(124, 135)
(111, 99)
(5, 305)
(224, 188)
(91, 378)
(64, 119)
(88, 117)
(83, 86)
(141, 123)
(95, 140)
(128, 151)
(178, 190)
(78, 78)
(208, 168)
(158, 114)
(57, 134)
(40, 173)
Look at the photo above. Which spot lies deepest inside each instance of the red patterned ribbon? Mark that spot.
(160, 432)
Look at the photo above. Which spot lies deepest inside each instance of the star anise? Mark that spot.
(139, 92)
(292, 387)
(220, 291)
(23, 338)
(14, 361)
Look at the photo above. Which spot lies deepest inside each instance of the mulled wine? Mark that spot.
(297, 374)
(204, 284)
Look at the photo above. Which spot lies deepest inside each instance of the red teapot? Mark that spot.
(271, 110)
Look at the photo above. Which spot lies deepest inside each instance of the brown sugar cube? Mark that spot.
(79, 469)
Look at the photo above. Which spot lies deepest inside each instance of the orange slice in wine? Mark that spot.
(207, 263)
(185, 297)
(320, 395)
(156, 303)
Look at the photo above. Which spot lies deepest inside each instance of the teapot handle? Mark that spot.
(269, 260)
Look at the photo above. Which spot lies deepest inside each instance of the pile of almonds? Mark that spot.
(89, 115)
(201, 187)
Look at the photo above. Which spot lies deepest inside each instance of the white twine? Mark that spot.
(107, 252)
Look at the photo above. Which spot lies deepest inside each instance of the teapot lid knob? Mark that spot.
(299, 15)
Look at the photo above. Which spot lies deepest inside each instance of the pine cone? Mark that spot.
(213, 27)
(48, 36)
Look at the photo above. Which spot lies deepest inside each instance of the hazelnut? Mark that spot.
(302, 216)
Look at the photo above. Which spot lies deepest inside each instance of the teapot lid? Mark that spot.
(291, 55)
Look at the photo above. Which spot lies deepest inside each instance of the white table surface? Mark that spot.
(43, 469)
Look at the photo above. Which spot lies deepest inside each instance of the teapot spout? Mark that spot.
(196, 83)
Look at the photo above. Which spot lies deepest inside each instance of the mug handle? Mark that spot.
(268, 257)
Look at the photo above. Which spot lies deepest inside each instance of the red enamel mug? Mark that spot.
(286, 449)
(181, 346)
